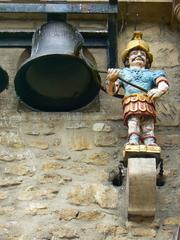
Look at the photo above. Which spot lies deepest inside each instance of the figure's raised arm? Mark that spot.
(112, 84)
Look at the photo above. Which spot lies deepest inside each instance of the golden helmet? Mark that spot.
(137, 42)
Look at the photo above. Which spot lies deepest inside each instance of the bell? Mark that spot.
(56, 76)
(4, 79)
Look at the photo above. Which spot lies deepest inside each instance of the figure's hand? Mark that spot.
(112, 75)
(155, 93)
(159, 91)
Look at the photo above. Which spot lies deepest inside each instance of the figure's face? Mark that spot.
(137, 58)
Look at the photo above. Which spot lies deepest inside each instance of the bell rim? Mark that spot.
(24, 67)
(4, 80)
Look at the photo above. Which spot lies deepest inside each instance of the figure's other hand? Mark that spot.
(155, 93)
(112, 75)
(159, 91)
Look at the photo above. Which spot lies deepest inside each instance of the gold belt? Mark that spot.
(143, 97)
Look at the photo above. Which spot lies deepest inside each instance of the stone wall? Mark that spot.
(56, 169)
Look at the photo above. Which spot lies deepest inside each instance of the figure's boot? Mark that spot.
(133, 139)
(149, 140)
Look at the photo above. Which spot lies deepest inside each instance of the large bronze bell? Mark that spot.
(57, 76)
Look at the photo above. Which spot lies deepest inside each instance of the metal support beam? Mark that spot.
(93, 39)
(73, 8)
(112, 37)
(58, 11)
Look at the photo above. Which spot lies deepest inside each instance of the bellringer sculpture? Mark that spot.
(142, 87)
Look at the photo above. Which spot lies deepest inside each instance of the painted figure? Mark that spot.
(138, 107)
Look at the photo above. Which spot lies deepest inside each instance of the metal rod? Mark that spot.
(123, 80)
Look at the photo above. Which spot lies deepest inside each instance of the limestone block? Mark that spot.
(165, 54)
(39, 145)
(52, 178)
(100, 158)
(101, 127)
(175, 220)
(67, 214)
(10, 157)
(80, 169)
(143, 232)
(11, 139)
(76, 125)
(36, 208)
(9, 182)
(104, 140)
(141, 187)
(167, 114)
(65, 233)
(7, 211)
(90, 215)
(80, 143)
(19, 169)
(62, 157)
(168, 140)
(3, 195)
(108, 229)
(85, 194)
(47, 166)
(37, 193)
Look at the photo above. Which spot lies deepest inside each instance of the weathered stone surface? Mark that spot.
(51, 166)
(39, 145)
(67, 214)
(148, 224)
(37, 193)
(36, 209)
(3, 231)
(170, 172)
(9, 157)
(81, 143)
(48, 133)
(62, 156)
(101, 127)
(101, 158)
(117, 238)
(166, 51)
(7, 211)
(104, 196)
(52, 178)
(90, 215)
(3, 195)
(33, 133)
(106, 140)
(19, 169)
(11, 139)
(9, 182)
(76, 125)
(65, 233)
(172, 221)
(169, 140)
(143, 232)
(107, 229)
(79, 169)
(167, 114)
(56, 142)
